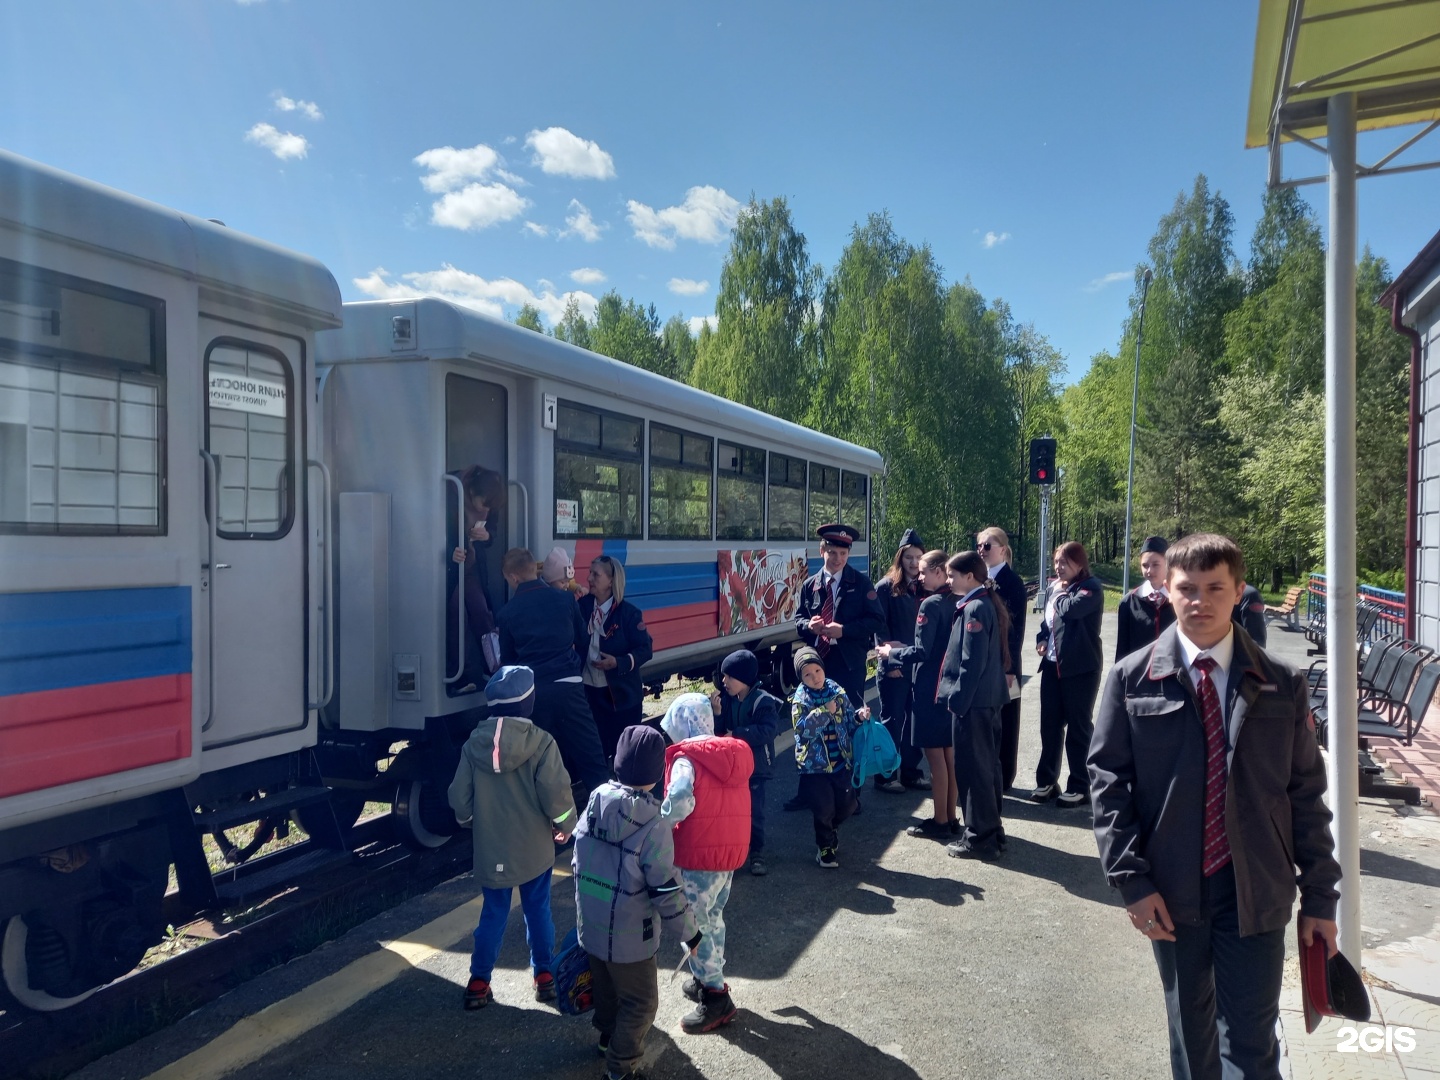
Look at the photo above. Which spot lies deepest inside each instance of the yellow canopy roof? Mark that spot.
(1386, 51)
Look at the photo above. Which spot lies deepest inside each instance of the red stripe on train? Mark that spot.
(682, 624)
(54, 737)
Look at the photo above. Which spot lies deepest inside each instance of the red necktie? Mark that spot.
(1216, 845)
(827, 614)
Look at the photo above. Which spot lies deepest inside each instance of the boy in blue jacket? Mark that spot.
(825, 724)
(747, 712)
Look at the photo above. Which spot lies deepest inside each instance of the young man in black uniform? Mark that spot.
(839, 615)
(1250, 613)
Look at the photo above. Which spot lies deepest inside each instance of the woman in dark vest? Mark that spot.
(619, 646)
(1145, 610)
(900, 595)
(994, 547)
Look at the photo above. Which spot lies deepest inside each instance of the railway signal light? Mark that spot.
(1042, 461)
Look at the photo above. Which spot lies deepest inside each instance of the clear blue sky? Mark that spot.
(1034, 146)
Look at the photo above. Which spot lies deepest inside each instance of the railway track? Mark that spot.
(299, 899)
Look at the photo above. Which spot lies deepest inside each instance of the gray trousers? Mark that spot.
(627, 996)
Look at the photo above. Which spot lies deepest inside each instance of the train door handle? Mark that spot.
(222, 566)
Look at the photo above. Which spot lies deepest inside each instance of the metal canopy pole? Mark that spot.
(1342, 676)
(1134, 413)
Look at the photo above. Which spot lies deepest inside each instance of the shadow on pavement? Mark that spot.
(1381, 864)
(1079, 875)
(812, 1048)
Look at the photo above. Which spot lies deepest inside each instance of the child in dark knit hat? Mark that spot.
(626, 889)
(825, 723)
(743, 709)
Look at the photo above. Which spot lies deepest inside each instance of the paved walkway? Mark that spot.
(902, 964)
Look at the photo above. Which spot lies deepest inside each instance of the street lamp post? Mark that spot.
(1134, 411)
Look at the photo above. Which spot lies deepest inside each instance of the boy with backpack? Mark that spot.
(743, 709)
(512, 779)
(825, 722)
(707, 800)
(626, 889)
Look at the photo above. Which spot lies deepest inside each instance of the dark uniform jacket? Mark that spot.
(1078, 611)
(624, 637)
(541, 628)
(1250, 613)
(973, 674)
(899, 604)
(1012, 592)
(926, 657)
(1147, 780)
(857, 610)
(1140, 621)
(756, 720)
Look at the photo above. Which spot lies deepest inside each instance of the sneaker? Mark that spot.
(477, 994)
(545, 987)
(1045, 794)
(797, 803)
(825, 857)
(1072, 799)
(927, 828)
(692, 988)
(895, 787)
(961, 850)
(714, 1009)
(758, 867)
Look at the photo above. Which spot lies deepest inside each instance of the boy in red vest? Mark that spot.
(707, 799)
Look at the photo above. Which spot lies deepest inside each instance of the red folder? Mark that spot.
(1330, 986)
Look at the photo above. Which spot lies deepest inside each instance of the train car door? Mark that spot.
(255, 508)
(477, 433)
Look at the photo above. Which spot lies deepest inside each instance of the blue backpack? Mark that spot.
(574, 994)
(873, 752)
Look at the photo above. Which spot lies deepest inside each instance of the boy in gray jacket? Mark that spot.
(511, 778)
(626, 889)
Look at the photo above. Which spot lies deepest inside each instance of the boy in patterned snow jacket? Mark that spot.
(626, 888)
(707, 800)
(825, 724)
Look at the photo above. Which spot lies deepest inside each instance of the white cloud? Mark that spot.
(451, 168)
(579, 223)
(688, 287)
(534, 228)
(477, 206)
(283, 144)
(307, 109)
(559, 152)
(588, 275)
(1109, 279)
(991, 239)
(706, 215)
(697, 321)
(493, 297)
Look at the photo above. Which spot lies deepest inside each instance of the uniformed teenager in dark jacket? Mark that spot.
(541, 628)
(1145, 611)
(930, 718)
(972, 686)
(1210, 809)
(1250, 613)
(744, 710)
(900, 594)
(1070, 663)
(617, 646)
(994, 547)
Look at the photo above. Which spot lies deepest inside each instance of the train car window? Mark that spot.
(853, 502)
(824, 496)
(249, 425)
(787, 498)
(740, 493)
(599, 473)
(680, 472)
(82, 406)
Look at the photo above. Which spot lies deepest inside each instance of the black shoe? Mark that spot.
(929, 828)
(1045, 794)
(1002, 841)
(825, 858)
(1071, 799)
(692, 988)
(715, 1008)
(954, 826)
(919, 783)
(758, 867)
(477, 994)
(962, 850)
(797, 803)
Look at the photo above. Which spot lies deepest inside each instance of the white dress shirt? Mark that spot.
(1222, 651)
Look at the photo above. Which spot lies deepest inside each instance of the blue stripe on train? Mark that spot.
(859, 562)
(60, 640)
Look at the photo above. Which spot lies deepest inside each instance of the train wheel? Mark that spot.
(17, 953)
(423, 815)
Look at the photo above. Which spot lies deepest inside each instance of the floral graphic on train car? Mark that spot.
(759, 587)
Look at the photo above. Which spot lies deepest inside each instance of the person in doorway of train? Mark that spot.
(838, 616)
(626, 890)
(899, 593)
(707, 800)
(994, 547)
(825, 724)
(1145, 610)
(617, 646)
(743, 709)
(484, 497)
(512, 780)
(931, 719)
(541, 628)
(973, 688)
